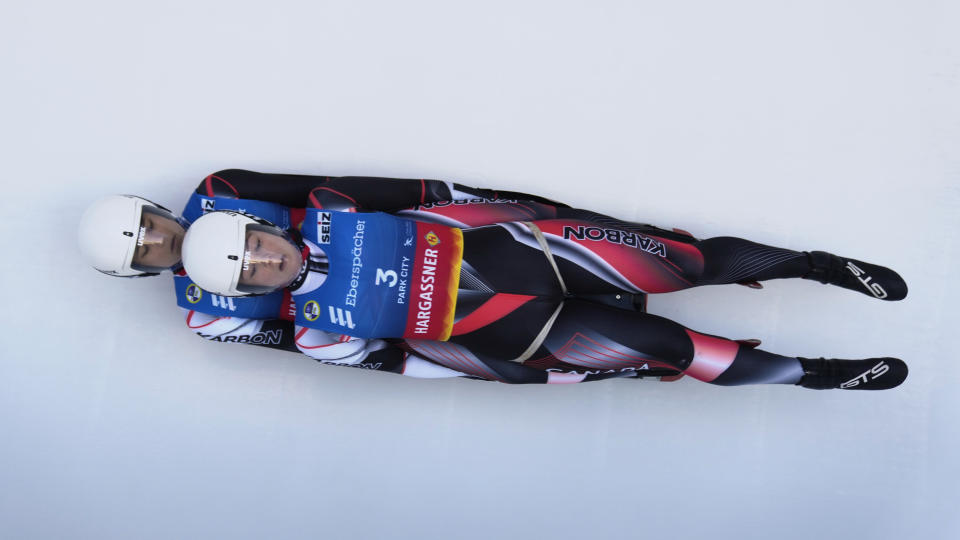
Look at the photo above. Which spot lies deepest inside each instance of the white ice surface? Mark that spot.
(810, 125)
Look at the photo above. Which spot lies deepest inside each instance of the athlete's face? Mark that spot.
(160, 239)
(270, 261)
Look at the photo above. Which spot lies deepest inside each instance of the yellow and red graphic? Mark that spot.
(435, 279)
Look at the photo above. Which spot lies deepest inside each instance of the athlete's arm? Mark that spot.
(273, 333)
(376, 354)
(346, 192)
(286, 189)
(386, 194)
(392, 194)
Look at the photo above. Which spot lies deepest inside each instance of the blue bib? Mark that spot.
(191, 296)
(389, 277)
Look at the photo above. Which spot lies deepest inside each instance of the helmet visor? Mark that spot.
(159, 239)
(270, 260)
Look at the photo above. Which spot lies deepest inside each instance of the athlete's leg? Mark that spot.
(588, 338)
(492, 341)
(492, 334)
(595, 257)
(484, 361)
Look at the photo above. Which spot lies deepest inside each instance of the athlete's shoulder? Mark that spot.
(223, 183)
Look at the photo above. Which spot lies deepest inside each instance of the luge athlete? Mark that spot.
(530, 300)
(130, 236)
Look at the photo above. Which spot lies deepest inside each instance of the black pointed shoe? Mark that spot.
(870, 279)
(868, 374)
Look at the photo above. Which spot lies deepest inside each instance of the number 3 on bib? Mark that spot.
(389, 277)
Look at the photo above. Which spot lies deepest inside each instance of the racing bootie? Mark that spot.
(869, 374)
(870, 279)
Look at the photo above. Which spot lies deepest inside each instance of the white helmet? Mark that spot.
(109, 231)
(216, 252)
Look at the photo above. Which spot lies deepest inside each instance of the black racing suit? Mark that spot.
(526, 317)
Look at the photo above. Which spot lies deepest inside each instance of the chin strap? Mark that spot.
(311, 262)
